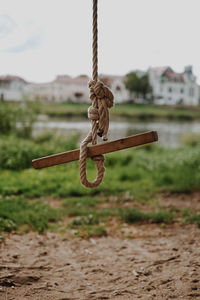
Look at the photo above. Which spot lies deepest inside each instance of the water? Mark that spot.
(170, 132)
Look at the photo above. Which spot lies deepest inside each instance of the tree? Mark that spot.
(138, 84)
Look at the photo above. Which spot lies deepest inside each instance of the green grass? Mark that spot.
(137, 216)
(17, 153)
(195, 219)
(16, 212)
(89, 231)
(134, 177)
(143, 175)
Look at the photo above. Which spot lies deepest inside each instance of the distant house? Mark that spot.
(173, 88)
(67, 89)
(117, 86)
(12, 87)
(168, 87)
(62, 89)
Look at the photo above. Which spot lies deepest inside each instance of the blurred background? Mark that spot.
(149, 57)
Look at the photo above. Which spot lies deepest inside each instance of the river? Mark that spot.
(170, 132)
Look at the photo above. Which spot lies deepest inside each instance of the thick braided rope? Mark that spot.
(98, 113)
(102, 99)
(95, 40)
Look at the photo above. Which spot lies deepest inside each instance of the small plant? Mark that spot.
(95, 231)
(7, 225)
(84, 220)
(17, 153)
(195, 219)
(137, 216)
(15, 212)
(18, 119)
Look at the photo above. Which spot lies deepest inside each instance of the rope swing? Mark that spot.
(102, 99)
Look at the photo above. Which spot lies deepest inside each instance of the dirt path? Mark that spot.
(157, 264)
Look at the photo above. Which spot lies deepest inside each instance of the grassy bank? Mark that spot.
(42, 199)
(136, 111)
(54, 199)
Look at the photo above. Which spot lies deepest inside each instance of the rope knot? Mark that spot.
(93, 113)
(100, 91)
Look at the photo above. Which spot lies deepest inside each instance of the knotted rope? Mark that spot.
(102, 99)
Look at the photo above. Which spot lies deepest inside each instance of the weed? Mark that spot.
(195, 219)
(15, 212)
(84, 220)
(137, 216)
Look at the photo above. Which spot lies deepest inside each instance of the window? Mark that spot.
(180, 101)
(162, 80)
(118, 88)
(181, 90)
(191, 92)
(78, 95)
(169, 89)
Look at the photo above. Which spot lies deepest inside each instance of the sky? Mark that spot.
(40, 39)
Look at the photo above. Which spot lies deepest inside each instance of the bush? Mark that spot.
(84, 220)
(195, 219)
(18, 119)
(192, 139)
(15, 212)
(17, 153)
(7, 225)
(134, 216)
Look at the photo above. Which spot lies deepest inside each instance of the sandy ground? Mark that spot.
(155, 264)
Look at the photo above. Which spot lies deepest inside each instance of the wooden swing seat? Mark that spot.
(124, 143)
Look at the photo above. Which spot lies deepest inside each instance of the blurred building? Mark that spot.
(173, 88)
(67, 89)
(168, 87)
(12, 88)
(62, 89)
(117, 86)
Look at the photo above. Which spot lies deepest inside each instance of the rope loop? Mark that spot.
(102, 99)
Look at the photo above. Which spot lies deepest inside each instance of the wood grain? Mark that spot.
(124, 143)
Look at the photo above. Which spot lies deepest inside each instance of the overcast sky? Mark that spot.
(40, 39)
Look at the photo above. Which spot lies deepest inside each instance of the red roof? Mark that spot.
(68, 79)
(10, 78)
(171, 75)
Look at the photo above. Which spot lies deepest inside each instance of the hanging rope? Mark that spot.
(102, 99)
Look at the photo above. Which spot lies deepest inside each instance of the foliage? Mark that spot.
(138, 84)
(146, 172)
(15, 212)
(134, 216)
(192, 139)
(17, 153)
(7, 225)
(134, 176)
(18, 119)
(195, 218)
(85, 220)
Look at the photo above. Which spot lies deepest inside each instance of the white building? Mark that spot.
(67, 89)
(12, 88)
(117, 86)
(168, 87)
(173, 88)
(62, 89)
